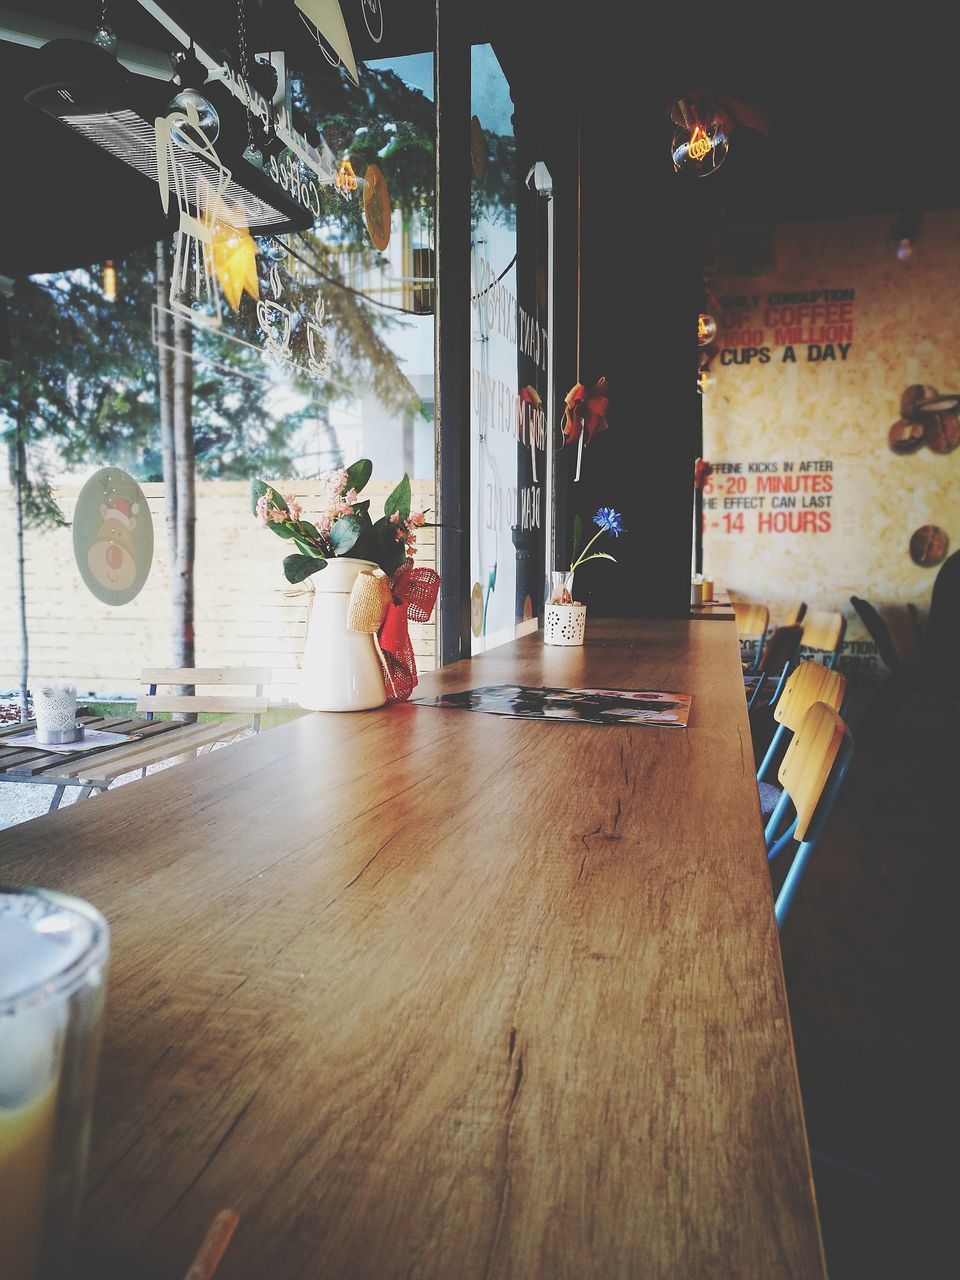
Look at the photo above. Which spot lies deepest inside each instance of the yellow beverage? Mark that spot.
(26, 1134)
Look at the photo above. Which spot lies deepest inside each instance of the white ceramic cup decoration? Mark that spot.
(55, 709)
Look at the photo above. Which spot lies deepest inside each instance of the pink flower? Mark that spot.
(262, 517)
(295, 511)
(417, 519)
(395, 518)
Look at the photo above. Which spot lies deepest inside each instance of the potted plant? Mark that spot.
(565, 619)
(342, 669)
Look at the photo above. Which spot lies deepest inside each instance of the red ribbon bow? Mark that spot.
(413, 596)
(586, 411)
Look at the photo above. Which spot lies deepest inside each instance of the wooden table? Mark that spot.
(435, 993)
(52, 768)
(713, 610)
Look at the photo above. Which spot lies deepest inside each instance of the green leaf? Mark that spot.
(296, 568)
(577, 537)
(399, 500)
(597, 555)
(258, 488)
(361, 508)
(284, 530)
(311, 529)
(358, 474)
(344, 534)
(308, 550)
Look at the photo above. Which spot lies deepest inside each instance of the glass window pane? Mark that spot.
(509, 367)
(324, 354)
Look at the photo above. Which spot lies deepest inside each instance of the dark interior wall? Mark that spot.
(640, 235)
(639, 282)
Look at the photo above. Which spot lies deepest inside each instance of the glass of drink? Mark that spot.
(53, 959)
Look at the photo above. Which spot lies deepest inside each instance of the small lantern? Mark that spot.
(109, 281)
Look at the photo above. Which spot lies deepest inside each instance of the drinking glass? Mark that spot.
(53, 958)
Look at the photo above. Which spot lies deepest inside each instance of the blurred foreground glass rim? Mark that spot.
(49, 905)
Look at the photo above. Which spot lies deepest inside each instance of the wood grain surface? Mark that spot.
(433, 993)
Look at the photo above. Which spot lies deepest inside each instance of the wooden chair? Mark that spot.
(752, 621)
(186, 740)
(811, 775)
(810, 682)
(776, 663)
(794, 614)
(824, 630)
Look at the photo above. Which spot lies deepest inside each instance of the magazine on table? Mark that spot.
(579, 706)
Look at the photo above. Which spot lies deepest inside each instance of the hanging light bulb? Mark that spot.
(904, 233)
(706, 329)
(109, 281)
(346, 180)
(208, 121)
(702, 136)
(105, 37)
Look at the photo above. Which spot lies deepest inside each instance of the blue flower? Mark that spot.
(610, 521)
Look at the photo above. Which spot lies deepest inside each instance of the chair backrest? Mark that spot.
(794, 613)
(808, 760)
(752, 619)
(215, 677)
(811, 682)
(879, 633)
(825, 630)
(811, 774)
(781, 648)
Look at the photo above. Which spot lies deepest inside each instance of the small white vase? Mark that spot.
(341, 669)
(564, 623)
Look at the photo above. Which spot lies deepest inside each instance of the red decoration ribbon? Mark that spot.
(413, 596)
(586, 411)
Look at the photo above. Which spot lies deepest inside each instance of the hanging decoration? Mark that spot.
(194, 287)
(704, 123)
(113, 536)
(325, 19)
(318, 344)
(373, 18)
(109, 281)
(585, 415)
(376, 207)
(346, 180)
(275, 320)
(105, 37)
(235, 259)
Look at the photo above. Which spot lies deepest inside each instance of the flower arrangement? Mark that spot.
(344, 526)
(610, 522)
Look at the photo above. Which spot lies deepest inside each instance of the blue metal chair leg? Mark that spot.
(791, 880)
(771, 751)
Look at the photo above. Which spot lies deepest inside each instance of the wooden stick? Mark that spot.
(214, 1245)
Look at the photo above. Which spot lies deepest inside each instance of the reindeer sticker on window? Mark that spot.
(113, 536)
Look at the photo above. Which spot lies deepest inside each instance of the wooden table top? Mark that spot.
(30, 764)
(433, 993)
(713, 610)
